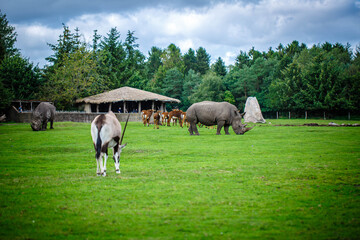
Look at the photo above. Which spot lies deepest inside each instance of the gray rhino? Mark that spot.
(222, 114)
(43, 113)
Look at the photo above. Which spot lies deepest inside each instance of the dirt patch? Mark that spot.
(319, 125)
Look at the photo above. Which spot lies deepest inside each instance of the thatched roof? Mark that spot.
(126, 94)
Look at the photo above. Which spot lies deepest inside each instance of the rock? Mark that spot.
(253, 111)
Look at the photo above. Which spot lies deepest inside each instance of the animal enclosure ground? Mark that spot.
(271, 183)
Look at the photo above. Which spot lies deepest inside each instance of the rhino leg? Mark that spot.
(220, 124)
(51, 124)
(44, 125)
(193, 129)
(226, 128)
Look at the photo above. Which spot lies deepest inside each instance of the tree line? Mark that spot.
(294, 77)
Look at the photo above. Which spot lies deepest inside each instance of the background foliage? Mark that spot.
(294, 77)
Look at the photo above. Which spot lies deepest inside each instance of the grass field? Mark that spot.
(287, 182)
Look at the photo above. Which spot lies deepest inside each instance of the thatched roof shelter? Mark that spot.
(131, 99)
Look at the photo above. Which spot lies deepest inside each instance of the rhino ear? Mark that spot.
(242, 114)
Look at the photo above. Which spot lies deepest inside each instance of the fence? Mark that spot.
(25, 117)
(312, 115)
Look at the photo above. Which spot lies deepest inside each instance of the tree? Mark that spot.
(242, 60)
(294, 48)
(219, 67)
(134, 73)
(95, 44)
(20, 77)
(191, 81)
(113, 58)
(67, 44)
(170, 58)
(202, 61)
(190, 60)
(76, 78)
(210, 89)
(7, 38)
(173, 83)
(228, 97)
(154, 61)
(245, 85)
(254, 54)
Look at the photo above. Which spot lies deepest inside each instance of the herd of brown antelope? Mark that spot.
(166, 117)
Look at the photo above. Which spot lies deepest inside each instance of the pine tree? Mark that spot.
(7, 38)
(190, 60)
(220, 68)
(202, 61)
(66, 45)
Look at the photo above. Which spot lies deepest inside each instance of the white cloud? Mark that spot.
(32, 41)
(223, 29)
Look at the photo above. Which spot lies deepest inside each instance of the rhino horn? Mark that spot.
(248, 129)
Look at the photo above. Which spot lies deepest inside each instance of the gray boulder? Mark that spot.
(253, 111)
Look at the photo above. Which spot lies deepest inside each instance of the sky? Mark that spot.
(223, 28)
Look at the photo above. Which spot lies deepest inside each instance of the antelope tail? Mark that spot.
(98, 146)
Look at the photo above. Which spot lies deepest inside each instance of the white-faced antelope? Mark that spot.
(106, 133)
(146, 115)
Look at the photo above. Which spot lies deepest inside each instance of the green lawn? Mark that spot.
(274, 182)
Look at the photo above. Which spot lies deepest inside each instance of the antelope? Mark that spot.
(175, 115)
(164, 117)
(106, 133)
(157, 119)
(146, 115)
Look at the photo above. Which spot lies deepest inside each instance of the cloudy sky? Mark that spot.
(223, 28)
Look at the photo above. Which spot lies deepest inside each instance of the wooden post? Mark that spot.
(348, 115)
(305, 115)
(277, 115)
(139, 106)
(110, 105)
(289, 115)
(124, 107)
(97, 108)
(324, 116)
(153, 105)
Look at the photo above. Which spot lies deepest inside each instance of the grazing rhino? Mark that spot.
(43, 113)
(222, 114)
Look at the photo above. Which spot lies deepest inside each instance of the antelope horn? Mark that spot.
(122, 136)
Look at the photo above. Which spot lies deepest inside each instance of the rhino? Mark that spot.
(43, 113)
(222, 114)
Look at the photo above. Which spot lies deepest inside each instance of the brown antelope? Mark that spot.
(157, 119)
(175, 115)
(184, 120)
(146, 115)
(106, 133)
(164, 117)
